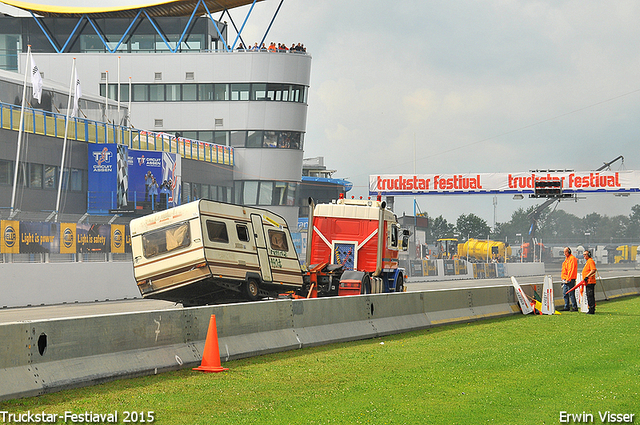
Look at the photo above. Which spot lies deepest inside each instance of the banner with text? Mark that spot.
(441, 184)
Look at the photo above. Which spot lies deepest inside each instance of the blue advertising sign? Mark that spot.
(108, 177)
(93, 237)
(157, 173)
(39, 237)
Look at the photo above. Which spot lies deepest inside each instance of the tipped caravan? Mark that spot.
(207, 252)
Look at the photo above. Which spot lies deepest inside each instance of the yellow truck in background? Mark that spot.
(626, 254)
(483, 250)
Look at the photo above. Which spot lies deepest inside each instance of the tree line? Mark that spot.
(551, 226)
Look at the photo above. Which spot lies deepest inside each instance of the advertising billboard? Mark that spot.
(163, 167)
(108, 178)
(442, 184)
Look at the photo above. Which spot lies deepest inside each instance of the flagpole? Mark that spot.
(106, 108)
(24, 95)
(119, 120)
(129, 113)
(64, 143)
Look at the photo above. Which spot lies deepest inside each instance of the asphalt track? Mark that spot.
(136, 305)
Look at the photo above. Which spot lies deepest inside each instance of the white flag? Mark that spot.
(36, 80)
(77, 93)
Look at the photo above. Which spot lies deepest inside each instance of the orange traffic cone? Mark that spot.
(211, 356)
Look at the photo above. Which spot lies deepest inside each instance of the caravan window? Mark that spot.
(166, 240)
(243, 232)
(278, 240)
(217, 231)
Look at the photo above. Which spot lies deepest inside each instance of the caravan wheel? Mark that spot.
(252, 289)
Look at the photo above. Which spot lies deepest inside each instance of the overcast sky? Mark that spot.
(475, 86)
(478, 86)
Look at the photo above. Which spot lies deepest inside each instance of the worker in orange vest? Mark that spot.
(568, 275)
(589, 277)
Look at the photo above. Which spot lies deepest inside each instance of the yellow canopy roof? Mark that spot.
(120, 8)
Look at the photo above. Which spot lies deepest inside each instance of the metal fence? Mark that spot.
(85, 130)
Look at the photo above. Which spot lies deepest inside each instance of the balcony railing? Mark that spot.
(52, 124)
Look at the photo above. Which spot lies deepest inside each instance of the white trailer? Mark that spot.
(210, 252)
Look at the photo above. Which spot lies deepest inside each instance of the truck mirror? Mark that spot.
(405, 242)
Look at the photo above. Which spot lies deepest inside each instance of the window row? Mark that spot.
(194, 191)
(265, 193)
(41, 176)
(217, 232)
(249, 138)
(191, 92)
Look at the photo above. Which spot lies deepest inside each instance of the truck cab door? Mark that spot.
(261, 247)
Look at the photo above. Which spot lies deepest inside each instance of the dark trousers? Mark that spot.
(569, 296)
(591, 297)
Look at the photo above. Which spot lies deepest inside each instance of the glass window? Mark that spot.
(193, 135)
(205, 91)
(35, 176)
(240, 91)
(217, 231)
(271, 91)
(76, 180)
(23, 178)
(172, 92)
(65, 178)
(140, 92)
(221, 138)
(243, 232)
(222, 92)
(278, 240)
(295, 94)
(195, 191)
(124, 92)
(266, 193)
(291, 193)
(280, 193)
(250, 193)
(205, 136)
(186, 189)
(166, 240)
(237, 186)
(258, 91)
(270, 139)
(204, 191)
(189, 92)
(254, 139)
(91, 43)
(142, 43)
(289, 140)
(6, 170)
(238, 139)
(156, 92)
(50, 177)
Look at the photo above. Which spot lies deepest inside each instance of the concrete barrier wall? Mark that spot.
(42, 356)
(58, 283)
(24, 284)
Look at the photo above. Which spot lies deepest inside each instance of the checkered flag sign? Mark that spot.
(36, 80)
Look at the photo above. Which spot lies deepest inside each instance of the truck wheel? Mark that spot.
(400, 283)
(365, 285)
(252, 289)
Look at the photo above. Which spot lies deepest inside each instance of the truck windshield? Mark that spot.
(166, 240)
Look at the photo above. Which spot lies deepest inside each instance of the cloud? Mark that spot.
(487, 86)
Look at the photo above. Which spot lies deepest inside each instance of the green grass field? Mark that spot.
(515, 370)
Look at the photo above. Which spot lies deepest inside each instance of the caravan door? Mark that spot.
(261, 246)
